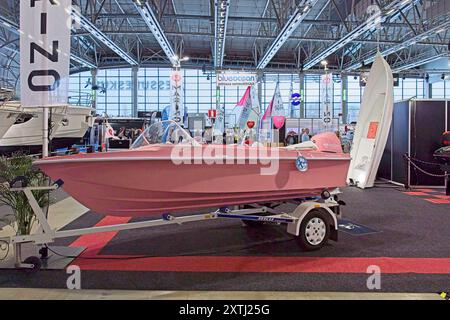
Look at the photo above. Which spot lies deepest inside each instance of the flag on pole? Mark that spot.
(246, 104)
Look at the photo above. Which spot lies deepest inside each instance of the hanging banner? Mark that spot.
(44, 52)
(176, 97)
(227, 78)
(327, 97)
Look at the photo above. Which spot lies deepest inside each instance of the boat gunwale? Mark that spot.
(99, 159)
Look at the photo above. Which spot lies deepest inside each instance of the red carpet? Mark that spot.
(96, 242)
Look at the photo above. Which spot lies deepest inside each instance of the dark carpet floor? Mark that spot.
(410, 227)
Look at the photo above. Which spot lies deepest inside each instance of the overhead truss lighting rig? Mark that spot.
(220, 26)
(387, 12)
(405, 44)
(149, 17)
(15, 29)
(99, 35)
(419, 62)
(294, 21)
(82, 61)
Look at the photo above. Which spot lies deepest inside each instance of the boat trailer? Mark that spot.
(313, 221)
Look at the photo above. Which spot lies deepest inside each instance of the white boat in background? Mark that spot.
(372, 127)
(74, 125)
(7, 115)
(7, 119)
(68, 126)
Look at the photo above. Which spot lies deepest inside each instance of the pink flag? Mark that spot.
(268, 112)
(244, 98)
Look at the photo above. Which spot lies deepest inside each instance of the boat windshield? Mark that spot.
(167, 132)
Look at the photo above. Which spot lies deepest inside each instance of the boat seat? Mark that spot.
(307, 145)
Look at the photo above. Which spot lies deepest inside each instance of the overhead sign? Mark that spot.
(176, 96)
(327, 97)
(44, 52)
(235, 78)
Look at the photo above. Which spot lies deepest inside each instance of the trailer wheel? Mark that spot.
(314, 231)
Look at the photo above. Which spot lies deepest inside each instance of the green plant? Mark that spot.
(21, 165)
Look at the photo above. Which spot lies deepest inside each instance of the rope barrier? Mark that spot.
(411, 161)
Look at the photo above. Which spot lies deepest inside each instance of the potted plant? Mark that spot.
(21, 165)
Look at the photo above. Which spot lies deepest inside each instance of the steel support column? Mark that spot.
(301, 88)
(134, 87)
(94, 85)
(344, 98)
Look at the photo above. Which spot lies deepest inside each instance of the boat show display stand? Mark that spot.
(313, 221)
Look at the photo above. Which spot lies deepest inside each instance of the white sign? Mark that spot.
(327, 97)
(176, 96)
(277, 107)
(44, 52)
(236, 78)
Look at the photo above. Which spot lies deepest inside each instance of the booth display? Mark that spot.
(416, 131)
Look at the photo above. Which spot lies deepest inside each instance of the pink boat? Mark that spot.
(152, 179)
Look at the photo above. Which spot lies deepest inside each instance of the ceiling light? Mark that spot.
(220, 28)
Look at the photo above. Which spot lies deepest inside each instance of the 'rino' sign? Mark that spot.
(44, 52)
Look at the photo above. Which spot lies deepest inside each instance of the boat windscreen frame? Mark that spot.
(164, 132)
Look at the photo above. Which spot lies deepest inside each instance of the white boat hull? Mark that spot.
(372, 127)
(7, 119)
(68, 122)
(79, 120)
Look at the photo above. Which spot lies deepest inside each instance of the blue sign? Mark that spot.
(295, 99)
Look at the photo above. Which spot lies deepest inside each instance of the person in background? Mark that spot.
(305, 135)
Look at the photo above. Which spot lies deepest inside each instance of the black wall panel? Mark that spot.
(448, 115)
(385, 170)
(420, 135)
(400, 141)
(427, 125)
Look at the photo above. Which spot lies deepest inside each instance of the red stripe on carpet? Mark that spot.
(438, 201)
(96, 241)
(270, 264)
(414, 193)
(427, 190)
(442, 197)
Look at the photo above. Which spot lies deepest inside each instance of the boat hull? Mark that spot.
(372, 127)
(151, 185)
(7, 119)
(69, 125)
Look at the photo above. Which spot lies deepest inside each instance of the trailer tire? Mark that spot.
(314, 230)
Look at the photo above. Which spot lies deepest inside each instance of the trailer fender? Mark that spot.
(303, 209)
